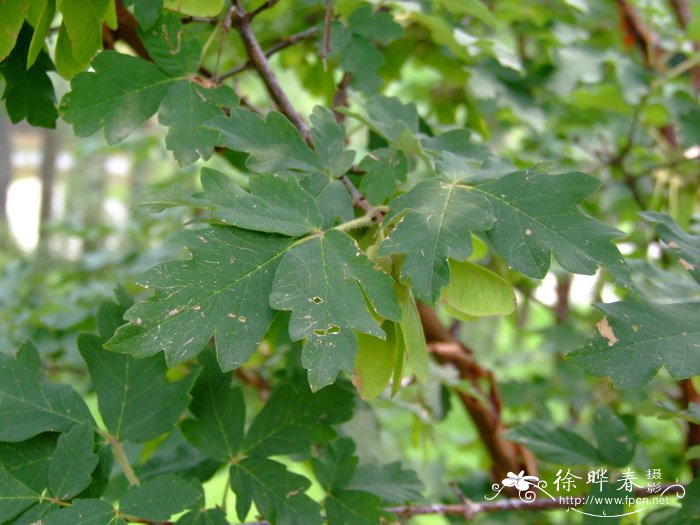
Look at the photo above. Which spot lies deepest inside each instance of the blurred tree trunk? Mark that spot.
(5, 164)
(5, 180)
(48, 179)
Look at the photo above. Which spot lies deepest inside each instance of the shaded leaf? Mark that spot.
(159, 498)
(204, 517)
(146, 12)
(43, 405)
(277, 493)
(351, 507)
(616, 442)
(219, 413)
(85, 512)
(28, 93)
(294, 418)
(336, 464)
(391, 482)
(329, 142)
(136, 402)
(15, 496)
(274, 144)
(73, 462)
(412, 337)
(684, 247)
(554, 444)
(273, 205)
(28, 461)
(169, 48)
(384, 170)
(185, 108)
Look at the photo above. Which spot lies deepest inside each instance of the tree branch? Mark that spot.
(483, 405)
(242, 20)
(266, 5)
(281, 45)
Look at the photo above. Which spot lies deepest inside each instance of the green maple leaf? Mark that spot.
(554, 444)
(159, 498)
(123, 91)
(352, 507)
(278, 494)
(221, 292)
(28, 92)
(436, 224)
(135, 401)
(294, 418)
(636, 339)
(120, 95)
(274, 144)
(684, 247)
(351, 498)
(85, 512)
(44, 406)
(169, 47)
(537, 216)
(273, 205)
(15, 496)
(184, 109)
(329, 142)
(204, 517)
(28, 461)
(391, 482)
(326, 282)
(73, 462)
(219, 413)
(384, 170)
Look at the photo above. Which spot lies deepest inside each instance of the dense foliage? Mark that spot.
(381, 190)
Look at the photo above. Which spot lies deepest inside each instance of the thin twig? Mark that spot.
(263, 7)
(257, 57)
(224, 31)
(281, 45)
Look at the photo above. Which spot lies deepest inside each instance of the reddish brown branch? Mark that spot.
(126, 31)
(484, 404)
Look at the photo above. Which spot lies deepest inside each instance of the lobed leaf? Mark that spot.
(135, 401)
(44, 406)
(636, 339)
(435, 223)
(326, 282)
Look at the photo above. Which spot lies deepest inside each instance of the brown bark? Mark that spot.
(483, 408)
(126, 31)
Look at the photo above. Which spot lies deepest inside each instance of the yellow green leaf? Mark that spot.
(475, 291)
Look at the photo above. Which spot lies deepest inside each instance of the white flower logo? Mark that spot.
(520, 481)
